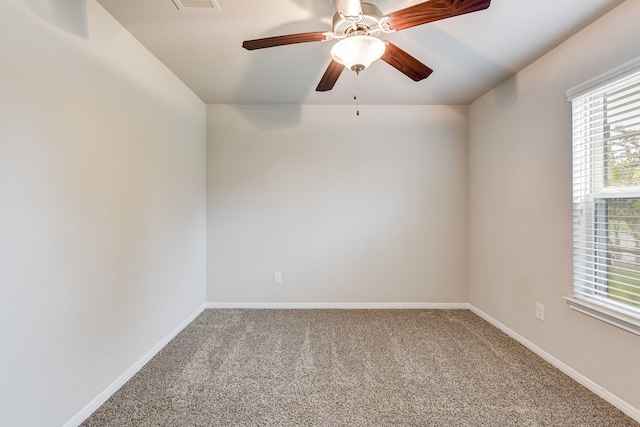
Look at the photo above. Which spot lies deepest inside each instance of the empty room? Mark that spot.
(316, 212)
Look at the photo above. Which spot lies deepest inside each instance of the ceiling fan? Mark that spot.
(358, 25)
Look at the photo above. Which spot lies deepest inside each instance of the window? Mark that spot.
(606, 197)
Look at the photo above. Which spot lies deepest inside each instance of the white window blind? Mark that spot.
(606, 194)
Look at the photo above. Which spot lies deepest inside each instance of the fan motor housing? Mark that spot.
(367, 24)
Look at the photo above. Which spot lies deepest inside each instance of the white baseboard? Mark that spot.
(572, 373)
(126, 376)
(338, 305)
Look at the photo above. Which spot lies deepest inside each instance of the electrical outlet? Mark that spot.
(277, 277)
(540, 311)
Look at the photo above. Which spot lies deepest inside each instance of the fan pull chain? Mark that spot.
(355, 96)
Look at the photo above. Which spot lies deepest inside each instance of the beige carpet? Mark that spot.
(350, 368)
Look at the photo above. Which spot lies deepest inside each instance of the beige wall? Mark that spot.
(350, 209)
(102, 206)
(520, 205)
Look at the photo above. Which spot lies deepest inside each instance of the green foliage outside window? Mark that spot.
(622, 160)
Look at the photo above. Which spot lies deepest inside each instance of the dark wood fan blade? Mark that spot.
(433, 10)
(348, 8)
(330, 77)
(284, 40)
(405, 63)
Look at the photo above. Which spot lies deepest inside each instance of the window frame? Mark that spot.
(588, 205)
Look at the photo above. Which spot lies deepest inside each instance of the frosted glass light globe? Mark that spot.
(358, 52)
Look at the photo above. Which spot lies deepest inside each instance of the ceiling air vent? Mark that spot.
(201, 4)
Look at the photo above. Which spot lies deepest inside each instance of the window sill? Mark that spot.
(609, 316)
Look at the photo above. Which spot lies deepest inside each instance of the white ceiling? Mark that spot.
(470, 54)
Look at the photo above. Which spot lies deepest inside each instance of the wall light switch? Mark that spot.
(540, 311)
(277, 277)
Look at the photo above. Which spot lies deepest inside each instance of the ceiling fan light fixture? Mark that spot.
(358, 52)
